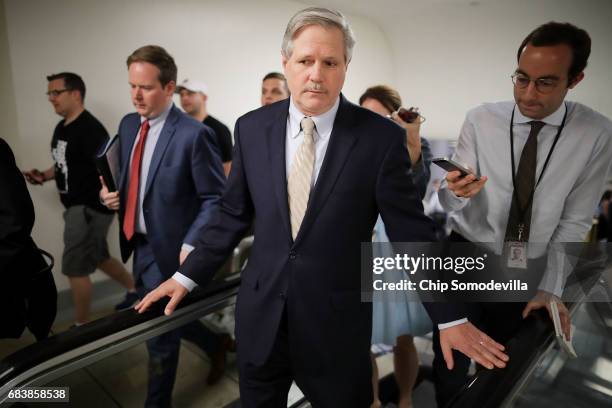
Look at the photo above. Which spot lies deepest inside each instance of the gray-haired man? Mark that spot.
(317, 180)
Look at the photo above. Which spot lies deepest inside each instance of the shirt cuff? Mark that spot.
(558, 267)
(554, 288)
(443, 326)
(184, 281)
(449, 201)
(187, 247)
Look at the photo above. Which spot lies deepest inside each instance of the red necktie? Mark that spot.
(133, 186)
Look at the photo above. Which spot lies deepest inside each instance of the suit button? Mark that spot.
(281, 295)
(292, 255)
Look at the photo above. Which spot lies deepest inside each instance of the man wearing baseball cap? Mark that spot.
(194, 95)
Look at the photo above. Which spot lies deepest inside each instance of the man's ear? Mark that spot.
(170, 88)
(576, 80)
(76, 96)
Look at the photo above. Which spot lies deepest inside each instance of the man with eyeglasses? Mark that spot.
(543, 163)
(76, 140)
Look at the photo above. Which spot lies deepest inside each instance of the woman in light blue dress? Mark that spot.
(400, 315)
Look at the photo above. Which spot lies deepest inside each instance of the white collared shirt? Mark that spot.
(565, 199)
(324, 124)
(580, 159)
(155, 127)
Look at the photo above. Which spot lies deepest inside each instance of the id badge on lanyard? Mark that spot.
(517, 251)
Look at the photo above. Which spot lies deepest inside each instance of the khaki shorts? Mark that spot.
(85, 244)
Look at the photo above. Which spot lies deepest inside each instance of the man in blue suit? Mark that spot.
(170, 184)
(313, 172)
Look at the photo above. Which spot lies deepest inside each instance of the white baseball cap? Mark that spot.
(193, 86)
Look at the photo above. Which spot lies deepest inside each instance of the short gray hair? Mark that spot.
(322, 17)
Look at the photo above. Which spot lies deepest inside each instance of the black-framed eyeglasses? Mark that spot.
(57, 92)
(543, 85)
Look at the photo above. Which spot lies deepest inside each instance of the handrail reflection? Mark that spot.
(66, 352)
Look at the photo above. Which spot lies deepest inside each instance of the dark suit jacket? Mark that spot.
(317, 278)
(184, 184)
(30, 298)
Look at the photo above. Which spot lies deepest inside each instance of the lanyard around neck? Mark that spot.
(523, 210)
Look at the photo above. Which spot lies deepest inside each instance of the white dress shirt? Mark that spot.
(155, 127)
(567, 195)
(324, 124)
(323, 128)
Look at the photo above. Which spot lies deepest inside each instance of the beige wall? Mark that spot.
(445, 56)
(8, 114)
(451, 55)
(455, 56)
(229, 45)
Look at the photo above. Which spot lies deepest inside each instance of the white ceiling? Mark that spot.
(383, 12)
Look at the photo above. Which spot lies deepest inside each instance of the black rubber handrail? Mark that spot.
(490, 388)
(34, 355)
(493, 388)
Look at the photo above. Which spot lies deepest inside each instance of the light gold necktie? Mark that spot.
(300, 176)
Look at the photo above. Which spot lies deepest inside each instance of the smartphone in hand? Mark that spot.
(408, 115)
(565, 344)
(450, 165)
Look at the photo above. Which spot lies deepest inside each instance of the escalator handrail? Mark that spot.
(83, 345)
(492, 388)
(489, 388)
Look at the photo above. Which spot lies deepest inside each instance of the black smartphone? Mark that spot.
(449, 165)
(408, 115)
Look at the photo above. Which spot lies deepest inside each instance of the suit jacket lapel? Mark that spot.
(276, 139)
(162, 143)
(342, 140)
(127, 143)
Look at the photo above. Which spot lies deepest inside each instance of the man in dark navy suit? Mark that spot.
(313, 172)
(170, 184)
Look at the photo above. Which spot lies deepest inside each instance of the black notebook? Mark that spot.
(107, 162)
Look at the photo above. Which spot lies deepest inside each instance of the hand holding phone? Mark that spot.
(462, 181)
(412, 115)
(565, 344)
(408, 115)
(450, 165)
